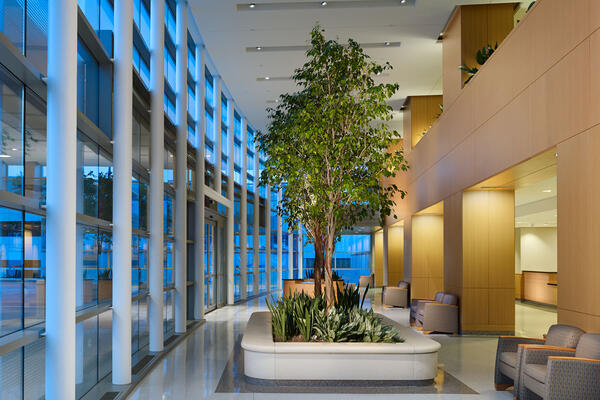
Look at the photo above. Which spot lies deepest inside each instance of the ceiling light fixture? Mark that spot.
(14, 149)
(4, 156)
(387, 43)
(267, 78)
(258, 48)
(252, 5)
(402, 1)
(323, 3)
(547, 191)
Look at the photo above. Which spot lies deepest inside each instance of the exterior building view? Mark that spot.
(168, 177)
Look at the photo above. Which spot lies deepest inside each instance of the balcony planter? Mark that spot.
(415, 360)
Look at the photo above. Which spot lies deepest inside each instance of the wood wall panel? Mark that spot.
(453, 257)
(451, 55)
(519, 286)
(579, 230)
(378, 255)
(396, 255)
(427, 255)
(424, 111)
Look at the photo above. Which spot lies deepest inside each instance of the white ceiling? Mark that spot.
(227, 33)
(535, 205)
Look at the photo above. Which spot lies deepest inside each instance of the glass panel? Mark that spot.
(37, 33)
(104, 266)
(35, 268)
(135, 267)
(33, 368)
(11, 22)
(168, 264)
(104, 344)
(87, 266)
(11, 365)
(11, 114)
(88, 80)
(35, 147)
(11, 267)
(87, 172)
(168, 215)
(86, 354)
(105, 182)
(135, 203)
(143, 263)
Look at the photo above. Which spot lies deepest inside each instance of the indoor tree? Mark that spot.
(327, 147)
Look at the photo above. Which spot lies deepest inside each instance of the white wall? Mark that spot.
(538, 249)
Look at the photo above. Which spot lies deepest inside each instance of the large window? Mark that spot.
(274, 240)
(250, 243)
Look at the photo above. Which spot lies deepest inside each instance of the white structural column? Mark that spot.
(279, 246)
(268, 236)
(218, 149)
(244, 214)
(230, 210)
(181, 169)
(290, 254)
(385, 255)
(300, 251)
(199, 206)
(157, 188)
(256, 225)
(60, 200)
(122, 160)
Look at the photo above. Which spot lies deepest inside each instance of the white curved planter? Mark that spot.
(413, 360)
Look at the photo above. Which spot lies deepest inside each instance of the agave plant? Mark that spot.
(481, 57)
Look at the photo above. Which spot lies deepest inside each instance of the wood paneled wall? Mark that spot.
(427, 255)
(395, 255)
(378, 254)
(579, 226)
(420, 114)
(453, 244)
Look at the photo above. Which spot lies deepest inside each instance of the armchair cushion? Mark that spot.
(439, 317)
(509, 358)
(536, 371)
(589, 346)
(563, 335)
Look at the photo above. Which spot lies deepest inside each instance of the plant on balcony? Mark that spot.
(326, 147)
(481, 57)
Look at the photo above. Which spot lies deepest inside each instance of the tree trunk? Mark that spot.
(318, 265)
(329, 250)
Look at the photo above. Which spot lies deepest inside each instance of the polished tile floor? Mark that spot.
(194, 368)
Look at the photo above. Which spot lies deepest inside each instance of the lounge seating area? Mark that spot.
(563, 365)
(396, 296)
(439, 314)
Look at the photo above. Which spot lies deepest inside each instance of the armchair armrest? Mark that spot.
(539, 354)
(440, 317)
(573, 378)
(510, 344)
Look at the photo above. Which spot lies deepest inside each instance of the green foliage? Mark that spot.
(481, 57)
(309, 318)
(354, 325)
(529, 7)
(327, 145)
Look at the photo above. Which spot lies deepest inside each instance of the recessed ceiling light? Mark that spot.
(14, 149)
(4, 156)
(402, 1)
(547, 191)
(252, 5)
(258, 48)
(323, 3)
(267, 78)
(387, 43)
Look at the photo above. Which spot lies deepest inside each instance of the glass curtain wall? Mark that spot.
(274, 242)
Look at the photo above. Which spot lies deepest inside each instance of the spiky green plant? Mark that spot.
(481, 57)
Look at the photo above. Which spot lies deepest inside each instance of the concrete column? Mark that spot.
(268, 237)
(61, 200)
(300, 249)
(181, 169)
(244, 213)
(256, 225)
(156, 191)
(199, 206)
(385, 255)
(290, 254)
(217, 129)
(279, 246)
(231, 210)
(122, 160)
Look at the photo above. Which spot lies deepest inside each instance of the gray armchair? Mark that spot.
(560, 373)
(414, 304)
(439, 317)
(395, 296)
(509, 355)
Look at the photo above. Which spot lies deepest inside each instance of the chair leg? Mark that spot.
(502, 386)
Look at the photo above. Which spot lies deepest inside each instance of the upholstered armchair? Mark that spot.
(439, 317)
(395, 296)
(414, 304)
(365, 280)
(510, 353)
(554, 373)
